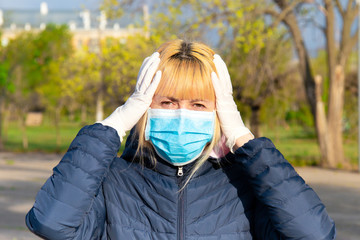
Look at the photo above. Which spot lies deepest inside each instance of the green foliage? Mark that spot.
(4, 77)
(80, 75)
(113, 68)
(300, 115)
(252, 31)
(262, 77)
(121, 63)
(3, 73)
(52, 47)
(36, 67)
(20, 64)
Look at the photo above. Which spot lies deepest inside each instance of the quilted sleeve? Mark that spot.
(287, 207)
(70, 205)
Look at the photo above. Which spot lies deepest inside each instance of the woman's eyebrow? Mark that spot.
(199, 100)
(173, 99)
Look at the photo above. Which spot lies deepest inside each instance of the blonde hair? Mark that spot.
(186, 74)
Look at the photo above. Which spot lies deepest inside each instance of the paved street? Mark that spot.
(21, 176)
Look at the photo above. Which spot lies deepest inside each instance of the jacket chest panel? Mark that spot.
(219, 207)
(142, 203)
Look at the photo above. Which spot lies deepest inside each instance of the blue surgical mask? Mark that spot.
(179, 136)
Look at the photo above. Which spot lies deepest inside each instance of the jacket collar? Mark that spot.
(164, 167)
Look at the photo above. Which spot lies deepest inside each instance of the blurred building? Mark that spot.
(87, 27)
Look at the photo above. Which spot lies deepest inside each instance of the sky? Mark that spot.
(52, 4)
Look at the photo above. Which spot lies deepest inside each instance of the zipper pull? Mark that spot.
(180, 171)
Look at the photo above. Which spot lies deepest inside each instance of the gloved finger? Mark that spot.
(148, 76)
(144, 67)
(220, 70)
(223, 73)
(217, 85)
(226, 76)
(150, 91)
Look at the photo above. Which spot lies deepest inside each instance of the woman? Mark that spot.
(190, 169)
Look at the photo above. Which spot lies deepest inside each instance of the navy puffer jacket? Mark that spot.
(252, 194)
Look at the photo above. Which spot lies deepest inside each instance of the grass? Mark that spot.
(351, 150)
(299, 146)
(42, 138)
(296, 144)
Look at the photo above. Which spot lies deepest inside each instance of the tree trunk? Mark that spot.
(321, 122)
(25, 140)
(83, 114)
(71, 113)
(100, 106)
(255, 121)
(329, 130)
(336, 92)
(6, 121)
(335, 113)
(57, 127)
(304, 61)
(100, 96)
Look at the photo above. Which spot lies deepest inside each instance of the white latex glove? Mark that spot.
(231, 123)
(126, 116)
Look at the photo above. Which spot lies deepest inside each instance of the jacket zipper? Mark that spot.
(180, 172)
(181, 203)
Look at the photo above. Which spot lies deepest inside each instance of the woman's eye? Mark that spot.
(166, 103)
(198, 105)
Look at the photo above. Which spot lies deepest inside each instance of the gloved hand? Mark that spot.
(231, 123)
(126, 116)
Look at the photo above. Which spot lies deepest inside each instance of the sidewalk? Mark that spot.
(22, 175)
(340, 192)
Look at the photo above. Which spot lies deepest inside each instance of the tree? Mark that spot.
(259, 74)
(80, 77)
(110, 72)
(121, 61)
(328, 127)
(5, 86)
(18, 71)
(51, 47)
